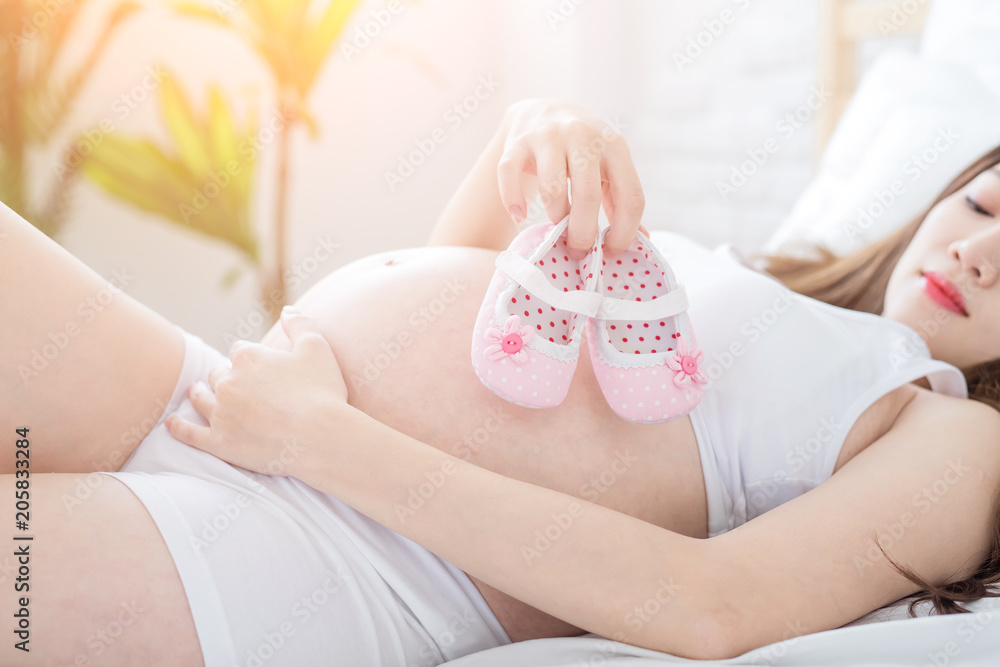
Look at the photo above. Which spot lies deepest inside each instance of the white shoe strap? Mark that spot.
(586, 302)
(532, 279)
(673, 303)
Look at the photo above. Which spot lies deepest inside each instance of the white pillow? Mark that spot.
(891, 78)
(912, 125)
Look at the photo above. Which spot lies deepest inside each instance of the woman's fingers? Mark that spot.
(551, 168)
(308, 340)
(203, 399)
(264, 396)
(304, 333)
(585, 188)
(552, 141)
(190, 434)
(509, 170)
(216, 374)
(626, 191)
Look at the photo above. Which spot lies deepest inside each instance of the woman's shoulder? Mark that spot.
(965, 414)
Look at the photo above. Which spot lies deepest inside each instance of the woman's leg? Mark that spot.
(103, 589)
(83, 365)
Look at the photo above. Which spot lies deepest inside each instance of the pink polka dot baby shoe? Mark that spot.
(642, 347)
(526, 341)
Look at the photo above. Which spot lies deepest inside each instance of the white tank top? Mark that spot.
(788, 376)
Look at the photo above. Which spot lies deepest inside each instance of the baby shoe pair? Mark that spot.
(541, 303)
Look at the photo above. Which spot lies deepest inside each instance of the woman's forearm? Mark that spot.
(601, 570)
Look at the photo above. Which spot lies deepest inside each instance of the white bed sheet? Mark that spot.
(885, 637)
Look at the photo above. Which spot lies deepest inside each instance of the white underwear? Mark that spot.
(277, 573)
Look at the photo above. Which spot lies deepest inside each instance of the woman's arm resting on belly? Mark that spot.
(806, 566)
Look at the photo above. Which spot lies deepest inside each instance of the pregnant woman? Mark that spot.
(381, 506)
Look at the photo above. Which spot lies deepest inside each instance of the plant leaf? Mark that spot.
(329, 27)
(318, 42)
(138, 172)
(198, 11)
(222, 131)
(184, 128)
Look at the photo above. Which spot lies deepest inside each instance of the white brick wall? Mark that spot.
(760, 68)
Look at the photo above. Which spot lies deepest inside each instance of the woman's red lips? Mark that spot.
(943, 292)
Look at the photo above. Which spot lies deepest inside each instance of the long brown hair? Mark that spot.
(858, 281)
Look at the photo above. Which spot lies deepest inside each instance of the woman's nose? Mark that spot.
(979, 256)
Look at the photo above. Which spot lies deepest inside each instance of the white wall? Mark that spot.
(687, 127)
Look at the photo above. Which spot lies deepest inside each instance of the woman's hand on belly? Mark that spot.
(268, 411)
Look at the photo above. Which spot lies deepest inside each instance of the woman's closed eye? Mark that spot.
(976, 207)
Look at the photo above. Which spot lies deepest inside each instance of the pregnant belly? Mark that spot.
(400, 323)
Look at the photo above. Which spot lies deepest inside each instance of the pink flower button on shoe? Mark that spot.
(642, 347)
(510, 341)
(526, 341)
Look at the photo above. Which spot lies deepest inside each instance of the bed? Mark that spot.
(866, 139)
